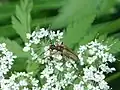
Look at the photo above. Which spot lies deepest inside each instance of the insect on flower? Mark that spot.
(64, 50)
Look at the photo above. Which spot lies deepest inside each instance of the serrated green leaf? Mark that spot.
(22, 19)
(76, 32)
(14, 47)
(78, 15)
(36, 22)
(75, 10)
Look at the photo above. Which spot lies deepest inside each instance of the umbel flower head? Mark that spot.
(95, 57)
(38, 40)
(60, 72)
(20, 81)
(96, 54)
(6, 60)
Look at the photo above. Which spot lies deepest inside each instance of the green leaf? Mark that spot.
(76, 32)
(78, 15)
(14, 47)
(75, 10)
(22, 19)
(36, 22)
(88, 37)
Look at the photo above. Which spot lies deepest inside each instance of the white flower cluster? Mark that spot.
(92, 80)
(6, 60)
(96, 54)
(58, 74)
(95, 57)
(37, 37)
(60, 71)
(20, 81)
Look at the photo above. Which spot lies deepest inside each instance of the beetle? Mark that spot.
(65, 51)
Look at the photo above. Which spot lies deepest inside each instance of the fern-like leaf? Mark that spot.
(78, 15)
(22, 19)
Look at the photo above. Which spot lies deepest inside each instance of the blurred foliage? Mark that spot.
(82, 20)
